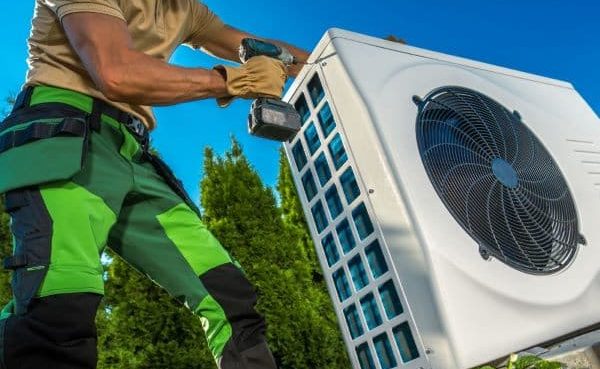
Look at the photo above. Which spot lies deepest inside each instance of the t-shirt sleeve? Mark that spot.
(203, 24)
(64, 7)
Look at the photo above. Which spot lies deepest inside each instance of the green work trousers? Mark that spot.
(77, 179)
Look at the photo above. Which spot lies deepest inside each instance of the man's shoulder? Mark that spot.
(179, 8)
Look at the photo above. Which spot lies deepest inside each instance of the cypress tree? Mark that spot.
(5, 251)
(142, 327)
(293, 216)
(243, 215)
(295, 223)
(5, 235)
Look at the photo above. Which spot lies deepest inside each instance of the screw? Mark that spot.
(371, 190)
(429, 351)
(324, 64)
(517, 115)
(484, 253)
(417, 100)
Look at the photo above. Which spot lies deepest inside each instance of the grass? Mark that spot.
(528, 362)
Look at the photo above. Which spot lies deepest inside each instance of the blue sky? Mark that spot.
(554, 38)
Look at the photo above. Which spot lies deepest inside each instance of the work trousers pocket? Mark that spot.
(31, 227)
(42, 144)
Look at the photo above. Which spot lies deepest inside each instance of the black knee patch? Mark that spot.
(256, 357)
(31, 227)
(247, 348)
(57, 332)
(232, 290)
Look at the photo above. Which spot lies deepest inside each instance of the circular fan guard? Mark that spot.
(497, 180)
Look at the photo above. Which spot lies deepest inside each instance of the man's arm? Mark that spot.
(225, 44)
(123, 74)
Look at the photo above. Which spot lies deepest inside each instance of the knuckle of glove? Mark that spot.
(274, 87)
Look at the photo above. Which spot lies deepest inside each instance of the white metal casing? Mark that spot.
(464, 311)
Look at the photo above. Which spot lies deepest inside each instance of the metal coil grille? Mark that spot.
(497, 180)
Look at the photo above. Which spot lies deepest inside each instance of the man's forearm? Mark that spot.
(126, 75)
(144, 80)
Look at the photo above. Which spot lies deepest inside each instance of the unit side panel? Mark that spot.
(360, 254)
(391, 210)
(301, 166)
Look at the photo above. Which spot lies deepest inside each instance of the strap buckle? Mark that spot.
(139, 130)
(134, 125)
(137, 127)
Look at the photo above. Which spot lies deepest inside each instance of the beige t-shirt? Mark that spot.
(157, 27)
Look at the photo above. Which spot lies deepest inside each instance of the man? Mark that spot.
(77, 176)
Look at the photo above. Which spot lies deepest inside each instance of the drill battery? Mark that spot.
(273, 119)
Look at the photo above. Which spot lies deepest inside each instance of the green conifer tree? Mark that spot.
(5, 251)
(295, 223)
(243, 214)
(293, 215)
(5, 235)
(141, 327)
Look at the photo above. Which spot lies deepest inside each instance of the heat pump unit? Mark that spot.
(455, 205)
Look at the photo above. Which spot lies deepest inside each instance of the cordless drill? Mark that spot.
(270, 118)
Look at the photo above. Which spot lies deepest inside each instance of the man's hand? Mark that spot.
(123, 74)
(260, 76)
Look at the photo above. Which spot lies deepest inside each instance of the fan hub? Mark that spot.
(505, 173)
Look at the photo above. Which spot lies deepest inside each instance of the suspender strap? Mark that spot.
(37, 131)
(96, 115)
(23, 98)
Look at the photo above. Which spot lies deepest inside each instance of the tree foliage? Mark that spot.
(5, 237)
(295, 224)
(243, 214)
(528, 362)
(293, 216)
(141, 327)
(5, 251)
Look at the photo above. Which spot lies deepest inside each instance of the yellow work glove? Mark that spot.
(260, 76)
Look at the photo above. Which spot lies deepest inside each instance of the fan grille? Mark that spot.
(497, 180)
